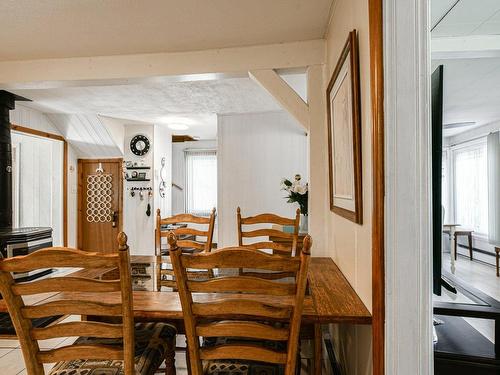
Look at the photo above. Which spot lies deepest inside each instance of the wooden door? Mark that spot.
(100, 204)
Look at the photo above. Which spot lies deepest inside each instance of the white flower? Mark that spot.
(301, 189)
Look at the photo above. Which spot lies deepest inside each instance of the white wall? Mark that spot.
(347, 243)
(38, 180)
(136, 224)
(255, 151)
(163, 149)
(34, 119)
(138, 227)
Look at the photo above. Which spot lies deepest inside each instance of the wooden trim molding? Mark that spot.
(56, 137)
(377, 103)
(23, 129)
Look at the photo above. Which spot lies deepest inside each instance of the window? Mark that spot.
(201, 181)
(471, 186)
(445, 175)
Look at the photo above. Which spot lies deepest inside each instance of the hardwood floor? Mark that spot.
(483, 277)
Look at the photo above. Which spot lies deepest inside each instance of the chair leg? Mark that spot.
(170, 360)
(497, 251)
(318, 350)
(470, 245)
(455, 244)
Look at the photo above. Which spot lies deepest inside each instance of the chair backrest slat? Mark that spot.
(65, 284)
(71, 307)
(240, 302)
(238, 257)
(247, 284)
(72, 302)
(245, 352)
(88, 329)
(287, 247)
(245, 329)
(51, 257)
(241, 307)
(67, 353)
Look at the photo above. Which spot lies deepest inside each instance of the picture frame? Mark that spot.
(344, 134)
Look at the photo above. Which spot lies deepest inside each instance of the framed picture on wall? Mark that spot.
(344, 134)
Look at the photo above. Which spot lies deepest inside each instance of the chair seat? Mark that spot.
(152, 341)
(239, 366)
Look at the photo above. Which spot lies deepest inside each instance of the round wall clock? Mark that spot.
(139, 145)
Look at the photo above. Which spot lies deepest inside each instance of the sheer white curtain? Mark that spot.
(201, 181)
(471, 187)
(494, 188)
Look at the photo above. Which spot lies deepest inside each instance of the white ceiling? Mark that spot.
(61, 28)
(467, 17)
(471, 79)
(471, 91)
(193, 103)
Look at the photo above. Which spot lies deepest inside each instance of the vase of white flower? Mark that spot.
(298, 192)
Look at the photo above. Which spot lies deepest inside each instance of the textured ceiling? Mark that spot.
(70, 28)
(193, 103)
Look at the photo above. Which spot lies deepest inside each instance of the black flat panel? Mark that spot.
(437, 155)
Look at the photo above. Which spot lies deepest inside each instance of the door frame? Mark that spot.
(80, 195)
(408, 261)
(38, 133)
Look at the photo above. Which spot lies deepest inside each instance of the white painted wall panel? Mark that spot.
(255, 151)
(34, 119)
(138, 227)
(39, 164)
(162, 149)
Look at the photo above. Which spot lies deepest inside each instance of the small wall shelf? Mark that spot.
(138, 167)
(138, 179)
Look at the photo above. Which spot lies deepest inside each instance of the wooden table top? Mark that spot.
(331, 298)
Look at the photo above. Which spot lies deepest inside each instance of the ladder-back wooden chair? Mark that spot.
(261, 238)
(287, 247)
(236, 316)
(190, 240)
(102, 348)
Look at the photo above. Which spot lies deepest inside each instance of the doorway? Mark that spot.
(100, 204)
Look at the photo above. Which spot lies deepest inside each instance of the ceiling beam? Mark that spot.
(283, 93)
(466, 47)
(225, 60)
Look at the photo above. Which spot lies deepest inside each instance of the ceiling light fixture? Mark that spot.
(178, 126)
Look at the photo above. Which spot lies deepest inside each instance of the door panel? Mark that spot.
(99, 204)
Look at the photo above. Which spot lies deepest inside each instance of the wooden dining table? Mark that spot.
(330, 299)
